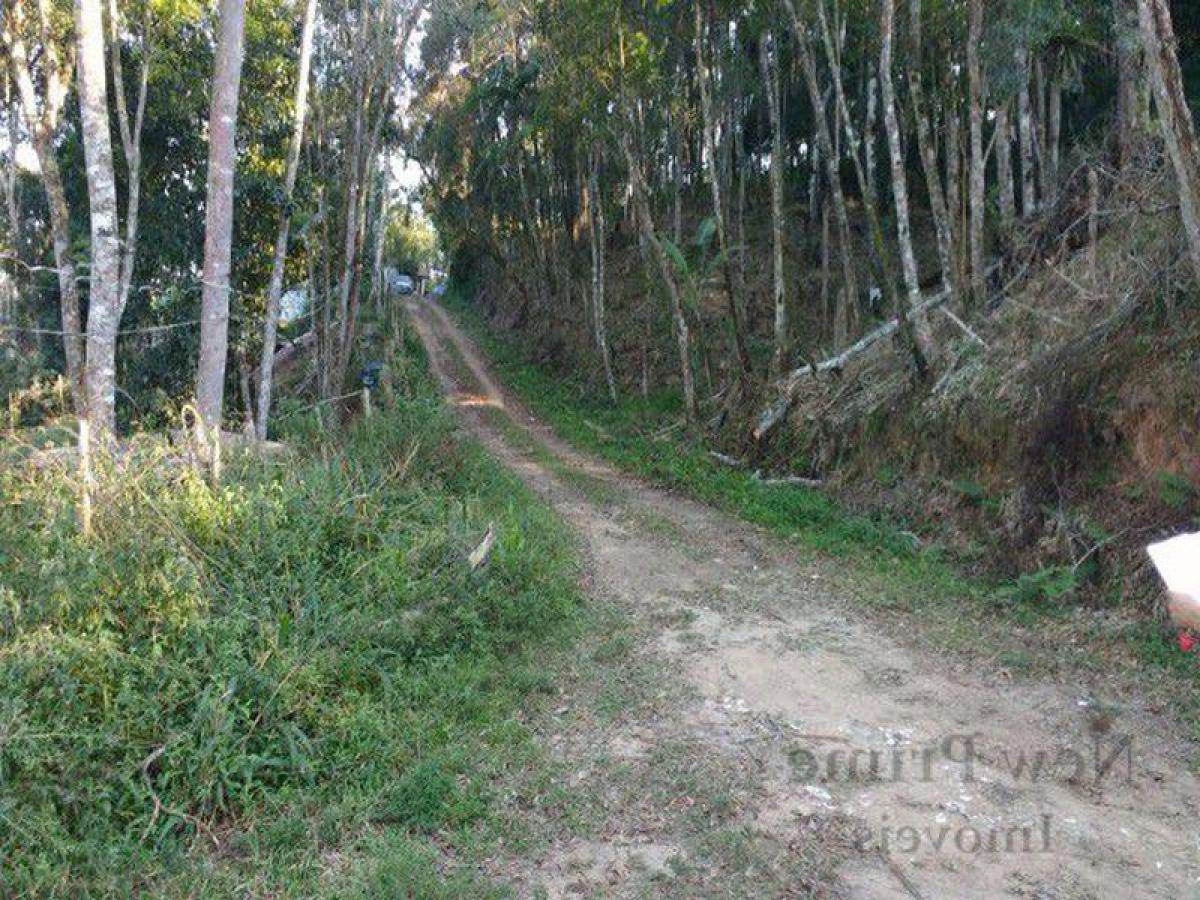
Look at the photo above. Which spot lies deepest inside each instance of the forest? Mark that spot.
(604, 448)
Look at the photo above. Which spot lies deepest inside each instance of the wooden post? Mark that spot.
(85, 477)
(366, 399)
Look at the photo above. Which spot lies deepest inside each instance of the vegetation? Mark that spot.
(854, 238)
(297, 663)
(270, 625)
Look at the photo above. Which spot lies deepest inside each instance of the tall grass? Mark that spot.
(238, 679)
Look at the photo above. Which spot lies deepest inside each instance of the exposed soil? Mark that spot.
(857, 763)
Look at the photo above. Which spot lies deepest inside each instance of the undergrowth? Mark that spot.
(278, 686)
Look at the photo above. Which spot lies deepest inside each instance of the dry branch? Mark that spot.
(790, 386)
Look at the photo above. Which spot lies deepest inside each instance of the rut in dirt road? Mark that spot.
(921, 778)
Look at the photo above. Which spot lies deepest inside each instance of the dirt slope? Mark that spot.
(900, 766)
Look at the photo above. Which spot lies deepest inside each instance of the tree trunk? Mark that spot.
(1004, 169)
(929, 161)
(42, 122)
(266, 368)
(769, 66)
(866, 177)
(1132, 79)
(1026, 137)
(1054, 142)
(646, 224)
(218, 220)
(104, 285)
(381, 223)
(737, 319)
(131, 142)
(677, 185)
(599, 234)
(1175, 117)
(825, 147)
(954, 184)
(978, 187)
(12, 200)
(8, 182)
(911, 327)
(350, 239)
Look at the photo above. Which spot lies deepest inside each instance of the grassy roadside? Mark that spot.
(292, 685)
(885, 568)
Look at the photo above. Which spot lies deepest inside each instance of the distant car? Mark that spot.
(438, 289)
(402, 284)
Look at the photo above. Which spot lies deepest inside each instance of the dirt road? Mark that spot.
(844, 763)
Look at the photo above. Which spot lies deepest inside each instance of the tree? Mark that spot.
(914, 333)
(218, 224)
(55, 63)
(131, 138)
(104, 291)
(1174, 114)
(978, 186)
(769, 67)
(735, 302)
(599, 236)
(275, 288)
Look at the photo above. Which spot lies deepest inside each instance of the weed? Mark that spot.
(278, 666)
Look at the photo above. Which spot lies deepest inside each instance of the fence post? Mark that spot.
(85, 477)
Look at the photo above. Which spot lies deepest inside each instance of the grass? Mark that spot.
(290, 685)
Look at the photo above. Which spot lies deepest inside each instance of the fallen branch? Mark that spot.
(790, 386)
(966, 329)
(792, 480)
(725, 459)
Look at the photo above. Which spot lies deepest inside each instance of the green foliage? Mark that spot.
(1047, 585)
(1174, 490)
(274, 664)
(410, 243)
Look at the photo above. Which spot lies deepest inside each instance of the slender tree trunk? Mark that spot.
(381, 223)
(104, 312)
(927, 148)
(826, 149)
(867, 178)
(266, 369)
(769, 65)
(646, 223)
(350, 240)
(737, 319)
(911, 326)
(1175, 117)
(8, 183)
(677, 184)
(954, 183)
(131, 141)
(1004, 169)
(1026, 137)
(977, 192)
(599, 242)
(1054, 142)
(42, 123)
(872, 119)
(218, 221)
(12, 199)
(1132, 79)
